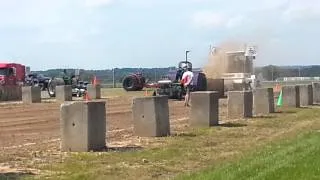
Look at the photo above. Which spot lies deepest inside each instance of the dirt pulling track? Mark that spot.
(21, 123)
(24, 124)
(31, 133)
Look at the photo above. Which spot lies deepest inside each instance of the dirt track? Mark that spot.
(25, 129)
(21, 123)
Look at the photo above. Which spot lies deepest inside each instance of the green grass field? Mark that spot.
(294, 159)
(274, 147)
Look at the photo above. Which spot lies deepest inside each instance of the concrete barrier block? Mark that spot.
(11, 93)
(204, 109)
(94, 92)
(216, 85)
(18, 93)
(263, 101)
(31, 94)
(316, 92)
(151, 116)
(83, 126)
(306, 95)
(291, 96)
(240, 104)
(64, 93)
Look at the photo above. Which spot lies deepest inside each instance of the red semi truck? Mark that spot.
(12, 74)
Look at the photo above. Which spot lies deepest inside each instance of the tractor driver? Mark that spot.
(187, 80)
(179, 74)
(65, 76)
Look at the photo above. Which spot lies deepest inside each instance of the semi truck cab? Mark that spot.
(11, 74)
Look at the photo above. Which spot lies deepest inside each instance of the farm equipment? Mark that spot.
(35, 79)
(170, 85)
(18, 74)
(134, 82)
(79, 88)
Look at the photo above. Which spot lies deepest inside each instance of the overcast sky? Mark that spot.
(101, 34)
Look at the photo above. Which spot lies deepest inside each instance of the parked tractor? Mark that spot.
(134, 82)
(79, 88)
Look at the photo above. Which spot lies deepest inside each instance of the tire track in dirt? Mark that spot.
(21, 123)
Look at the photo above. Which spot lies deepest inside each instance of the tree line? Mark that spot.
(271, 72)
(107, 76)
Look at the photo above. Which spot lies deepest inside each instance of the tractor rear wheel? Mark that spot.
(129, 83)
(202, 82)
(52, 86)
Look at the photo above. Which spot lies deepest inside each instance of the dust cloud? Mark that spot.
(217, 60)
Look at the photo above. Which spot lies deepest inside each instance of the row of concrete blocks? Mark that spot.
(83, 124)
(245, 104)
(301, 95)
(31, 94)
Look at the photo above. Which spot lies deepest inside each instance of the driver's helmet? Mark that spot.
(184, 66)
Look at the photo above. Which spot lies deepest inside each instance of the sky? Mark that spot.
(104, 34)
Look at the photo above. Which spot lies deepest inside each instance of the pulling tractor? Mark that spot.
(170, 84)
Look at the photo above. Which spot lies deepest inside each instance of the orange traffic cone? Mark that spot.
(94, 81)
(277, 88)
(86, 97)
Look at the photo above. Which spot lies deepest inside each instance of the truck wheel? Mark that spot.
(52, 88)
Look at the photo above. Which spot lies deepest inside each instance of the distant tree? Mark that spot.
(270, 72)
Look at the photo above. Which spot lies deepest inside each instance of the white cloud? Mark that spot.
(32, 13)
(301, 10)
(41, 13)
(207, 19)
(98, 3)
(53, 21)
(210, 20)
(236, 21)
(205, 1)
(267, 4)
(58, 36)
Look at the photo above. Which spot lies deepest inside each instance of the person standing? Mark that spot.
(187, 81)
